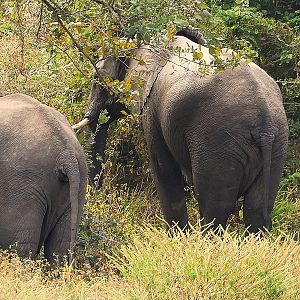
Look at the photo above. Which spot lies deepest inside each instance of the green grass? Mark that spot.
(286, 212)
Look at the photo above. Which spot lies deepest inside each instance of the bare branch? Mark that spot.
(22, 67)
(40, 21)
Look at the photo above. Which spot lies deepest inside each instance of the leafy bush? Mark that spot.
(38, 57)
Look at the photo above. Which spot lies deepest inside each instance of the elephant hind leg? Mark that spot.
(254, 200)
(216, 188)
(57, 243)
(23, 235)
(25, 243)
(21, 223)
(169, 183)
(215, 208)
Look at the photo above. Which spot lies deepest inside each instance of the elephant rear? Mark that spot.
(245, 141)
(44, 164)
(228, 132)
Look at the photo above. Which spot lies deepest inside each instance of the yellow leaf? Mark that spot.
(127, 84)
(218, 51)
(77, 27)
(171, 32)
(197, 55)
(202, 6)
(50, 38)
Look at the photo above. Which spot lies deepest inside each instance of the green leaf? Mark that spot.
(6, 27)
(152, 26)
(180, 22)
(141, 62)
(80, 137)
(103, 117)
(202, 6)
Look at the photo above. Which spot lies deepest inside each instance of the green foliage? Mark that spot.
(270, 42)
(109, 220)
(150, 19)
(287, 207)
(40, 57)
(29, 66)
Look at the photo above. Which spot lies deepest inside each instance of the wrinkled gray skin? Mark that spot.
(43, 178)
(227, 132)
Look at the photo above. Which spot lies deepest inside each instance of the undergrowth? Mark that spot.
(155, 266)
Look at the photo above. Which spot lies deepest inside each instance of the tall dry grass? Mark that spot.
(156, 266)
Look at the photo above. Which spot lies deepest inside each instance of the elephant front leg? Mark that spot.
(169, 184)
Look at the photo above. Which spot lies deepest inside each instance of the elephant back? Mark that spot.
(33, 131)
(144, 67)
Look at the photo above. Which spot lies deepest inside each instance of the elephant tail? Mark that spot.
(68, 168)
(266, 141)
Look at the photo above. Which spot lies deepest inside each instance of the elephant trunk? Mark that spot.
(96, 104)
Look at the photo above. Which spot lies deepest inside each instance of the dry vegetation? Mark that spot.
(154, 266)
(118, 256)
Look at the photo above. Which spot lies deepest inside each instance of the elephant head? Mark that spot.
(143, 65)
(111, 68)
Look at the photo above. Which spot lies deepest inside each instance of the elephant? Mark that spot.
(114, 111)
(43, 179)
(226, 131)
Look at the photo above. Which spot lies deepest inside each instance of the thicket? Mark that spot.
(48, 50)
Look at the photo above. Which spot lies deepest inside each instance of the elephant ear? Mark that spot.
(193, 34)
(143, 69)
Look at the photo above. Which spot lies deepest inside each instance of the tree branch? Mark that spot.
(40, 21)
(112, 11)
(75, 43)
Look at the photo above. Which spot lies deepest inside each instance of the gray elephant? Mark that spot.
(226, 131)
(43, 178)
